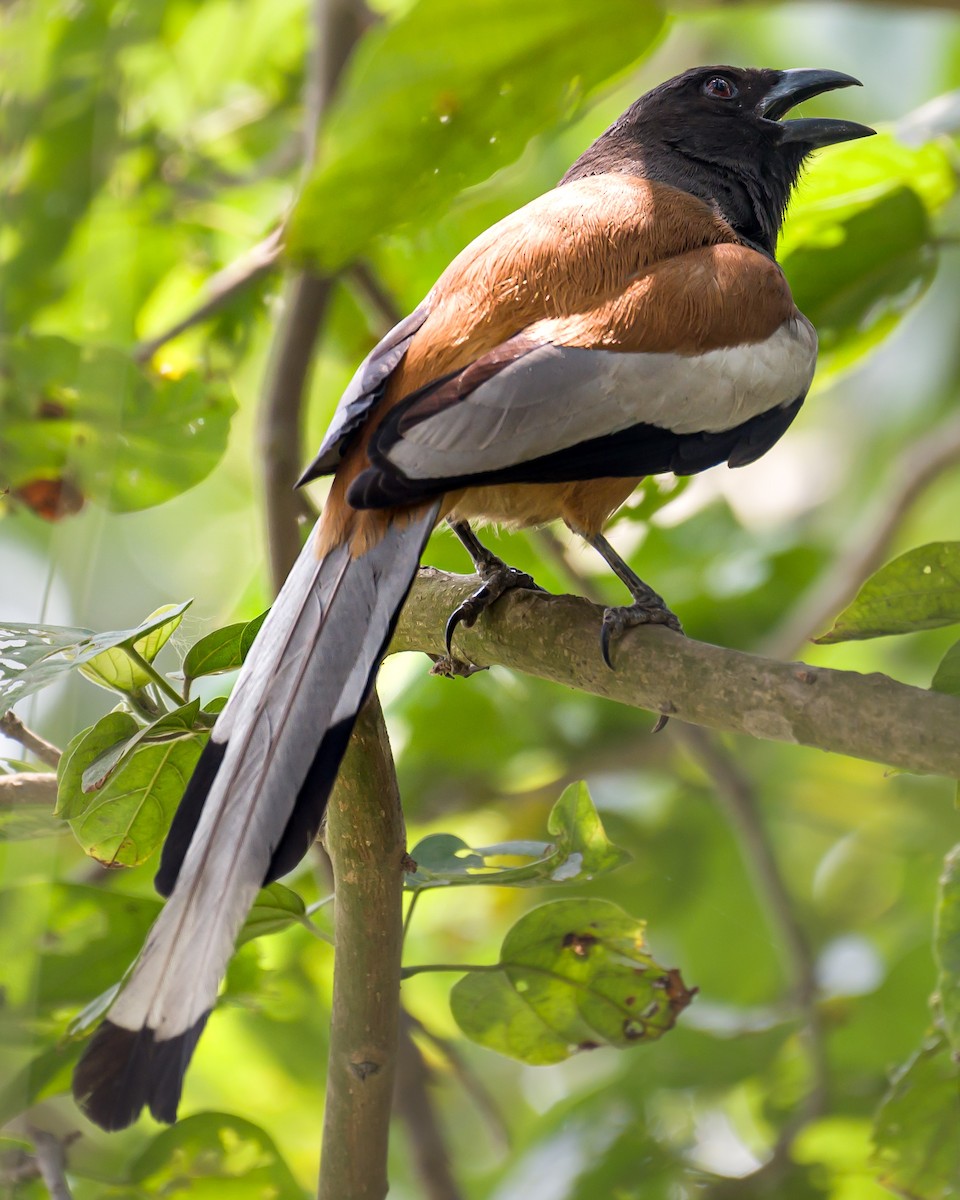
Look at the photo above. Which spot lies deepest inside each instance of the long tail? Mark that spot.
(251, 810)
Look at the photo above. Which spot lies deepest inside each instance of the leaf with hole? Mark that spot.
(573, 975)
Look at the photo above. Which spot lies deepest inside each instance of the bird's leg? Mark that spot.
(647, 609)
(496, 578)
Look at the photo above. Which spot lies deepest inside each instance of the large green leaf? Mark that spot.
(580, 851)
(33, 656)
(212, 1155)
(918, 590)
(858, 246)
(276, 908)
(115, 432)
(124, 821)
(171, 727)
(445, 95)
(917, 1132)
(573, 975)
(946, 948)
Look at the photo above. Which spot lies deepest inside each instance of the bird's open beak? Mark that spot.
(792, 88)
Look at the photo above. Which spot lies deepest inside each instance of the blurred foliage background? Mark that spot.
(154, 157)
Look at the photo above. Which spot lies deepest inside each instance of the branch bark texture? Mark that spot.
(557, 638)
(366, 843)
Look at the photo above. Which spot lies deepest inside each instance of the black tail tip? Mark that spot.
(123, 1071)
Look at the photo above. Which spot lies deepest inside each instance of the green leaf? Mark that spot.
(918, 590)
(212, 1155)
(946, 679)
(120, 434)
(48, 1074)
(33, 656)
(125, 820)
(116, 671)
(946, 947)
(180, 723)
(858, 247)
(916, 1131)
(573, 975)
(223, 650)
(580, 851)
(275, 908)
(441, 98)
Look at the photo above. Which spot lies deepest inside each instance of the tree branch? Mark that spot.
(556, 638)
(366, 843)
(28, 787)
(869, 545)
(220, 290)
(51, 1163)
(12, 727)
(337, 25)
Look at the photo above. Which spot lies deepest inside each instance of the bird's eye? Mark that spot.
(719, 88)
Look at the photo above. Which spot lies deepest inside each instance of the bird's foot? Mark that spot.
(496, 578)
(648, 609)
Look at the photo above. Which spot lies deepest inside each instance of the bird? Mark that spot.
(631, 321)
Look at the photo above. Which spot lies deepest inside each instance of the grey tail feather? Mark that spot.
(251, 812)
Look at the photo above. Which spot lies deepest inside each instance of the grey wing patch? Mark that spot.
(362, 393)
(532, 400)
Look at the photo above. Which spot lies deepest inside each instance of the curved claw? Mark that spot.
(496, 581)
(617, 620)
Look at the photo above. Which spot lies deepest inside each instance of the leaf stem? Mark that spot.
(149, 669)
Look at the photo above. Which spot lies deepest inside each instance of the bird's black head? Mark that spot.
(717, 132)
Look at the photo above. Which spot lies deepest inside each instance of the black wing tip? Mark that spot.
(187, 816)
(123, 1071)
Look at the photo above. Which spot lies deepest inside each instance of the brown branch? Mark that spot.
(415, 1107)
(28, 787)
(220, 290)
(366, 843)
(556, 638)
(12, 727)
(869, 545)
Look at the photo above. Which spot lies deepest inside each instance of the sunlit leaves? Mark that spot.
(580, 851)
(918, 590)
(573, 975)
(117, 433)
(432, 105)
(119, 671)
(33, 656)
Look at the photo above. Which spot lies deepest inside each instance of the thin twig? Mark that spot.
(337, 24)
(414, 1105)
(28, 787)
(365, 839)
(52, 1163)
(12, 727)
(220, 290)
(869, 544)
